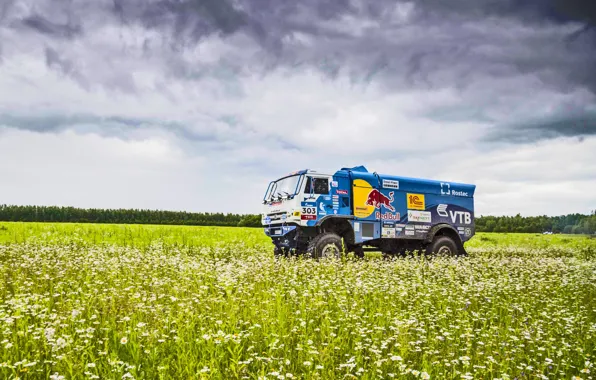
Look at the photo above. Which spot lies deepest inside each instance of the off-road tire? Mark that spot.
(443, 246)
(327, 244)
(279, 252)
(357, 250)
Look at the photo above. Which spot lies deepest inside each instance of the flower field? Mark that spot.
(83, 301)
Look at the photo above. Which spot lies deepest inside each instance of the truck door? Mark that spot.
(317, 201)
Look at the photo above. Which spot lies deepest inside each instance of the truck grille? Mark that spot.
(276, 217)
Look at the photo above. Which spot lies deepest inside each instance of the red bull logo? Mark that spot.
(387, 216)
(378, 199)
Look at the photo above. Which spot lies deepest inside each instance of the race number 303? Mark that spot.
(309, 212)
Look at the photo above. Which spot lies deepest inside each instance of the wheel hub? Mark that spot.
(330, 250)
(444, 250)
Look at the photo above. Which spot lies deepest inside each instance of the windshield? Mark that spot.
(283, 188)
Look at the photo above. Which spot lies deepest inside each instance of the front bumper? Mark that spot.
(283, 235)
(275, 231)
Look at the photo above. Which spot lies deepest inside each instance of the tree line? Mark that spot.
(10, 213)
(568, 224)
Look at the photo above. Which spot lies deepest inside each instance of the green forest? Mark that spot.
(568, 224)
(9, 213)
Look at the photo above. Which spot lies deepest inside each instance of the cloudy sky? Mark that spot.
(196, 104)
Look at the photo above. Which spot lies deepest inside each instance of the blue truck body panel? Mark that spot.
(384, 206)
(407, 207)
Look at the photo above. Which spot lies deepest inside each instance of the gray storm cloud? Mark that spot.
(562, 125)
(411, 40)
(463, 44)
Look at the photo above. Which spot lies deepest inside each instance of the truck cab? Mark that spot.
(323, 214)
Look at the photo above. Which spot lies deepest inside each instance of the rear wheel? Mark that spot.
(443, 246)
(357, 250)
(325, 245)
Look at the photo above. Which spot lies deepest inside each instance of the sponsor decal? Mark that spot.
(419, 216)
(400, 225)
(356, 227)
(446, 190)
(415, 201)
(388, 232)
(463, 217)
(333, 183)
(378, 199)
(308, 204)
(287, 229)
(361, 190)
(459, 217)
(267, 220)
(468, 231)
(411, 233)
(361, 211)
(343, 192)
(390, 184)
(309, 213)
(387, 224)
(322, 209)
(442, 210)
(422, 227)
(368, 201)
(387, 216)
(409, 227)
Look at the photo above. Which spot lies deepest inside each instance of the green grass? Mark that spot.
(130, 235)
(168, 302)
(142, 236)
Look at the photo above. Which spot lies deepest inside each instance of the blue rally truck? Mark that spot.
(353, 210)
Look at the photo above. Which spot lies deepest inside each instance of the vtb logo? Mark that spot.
(463, 216)
(416, 201)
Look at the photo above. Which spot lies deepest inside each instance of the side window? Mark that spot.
(321, 185)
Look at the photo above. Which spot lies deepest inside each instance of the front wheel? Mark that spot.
(325, 245)
(280, 252)
(443, 246)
